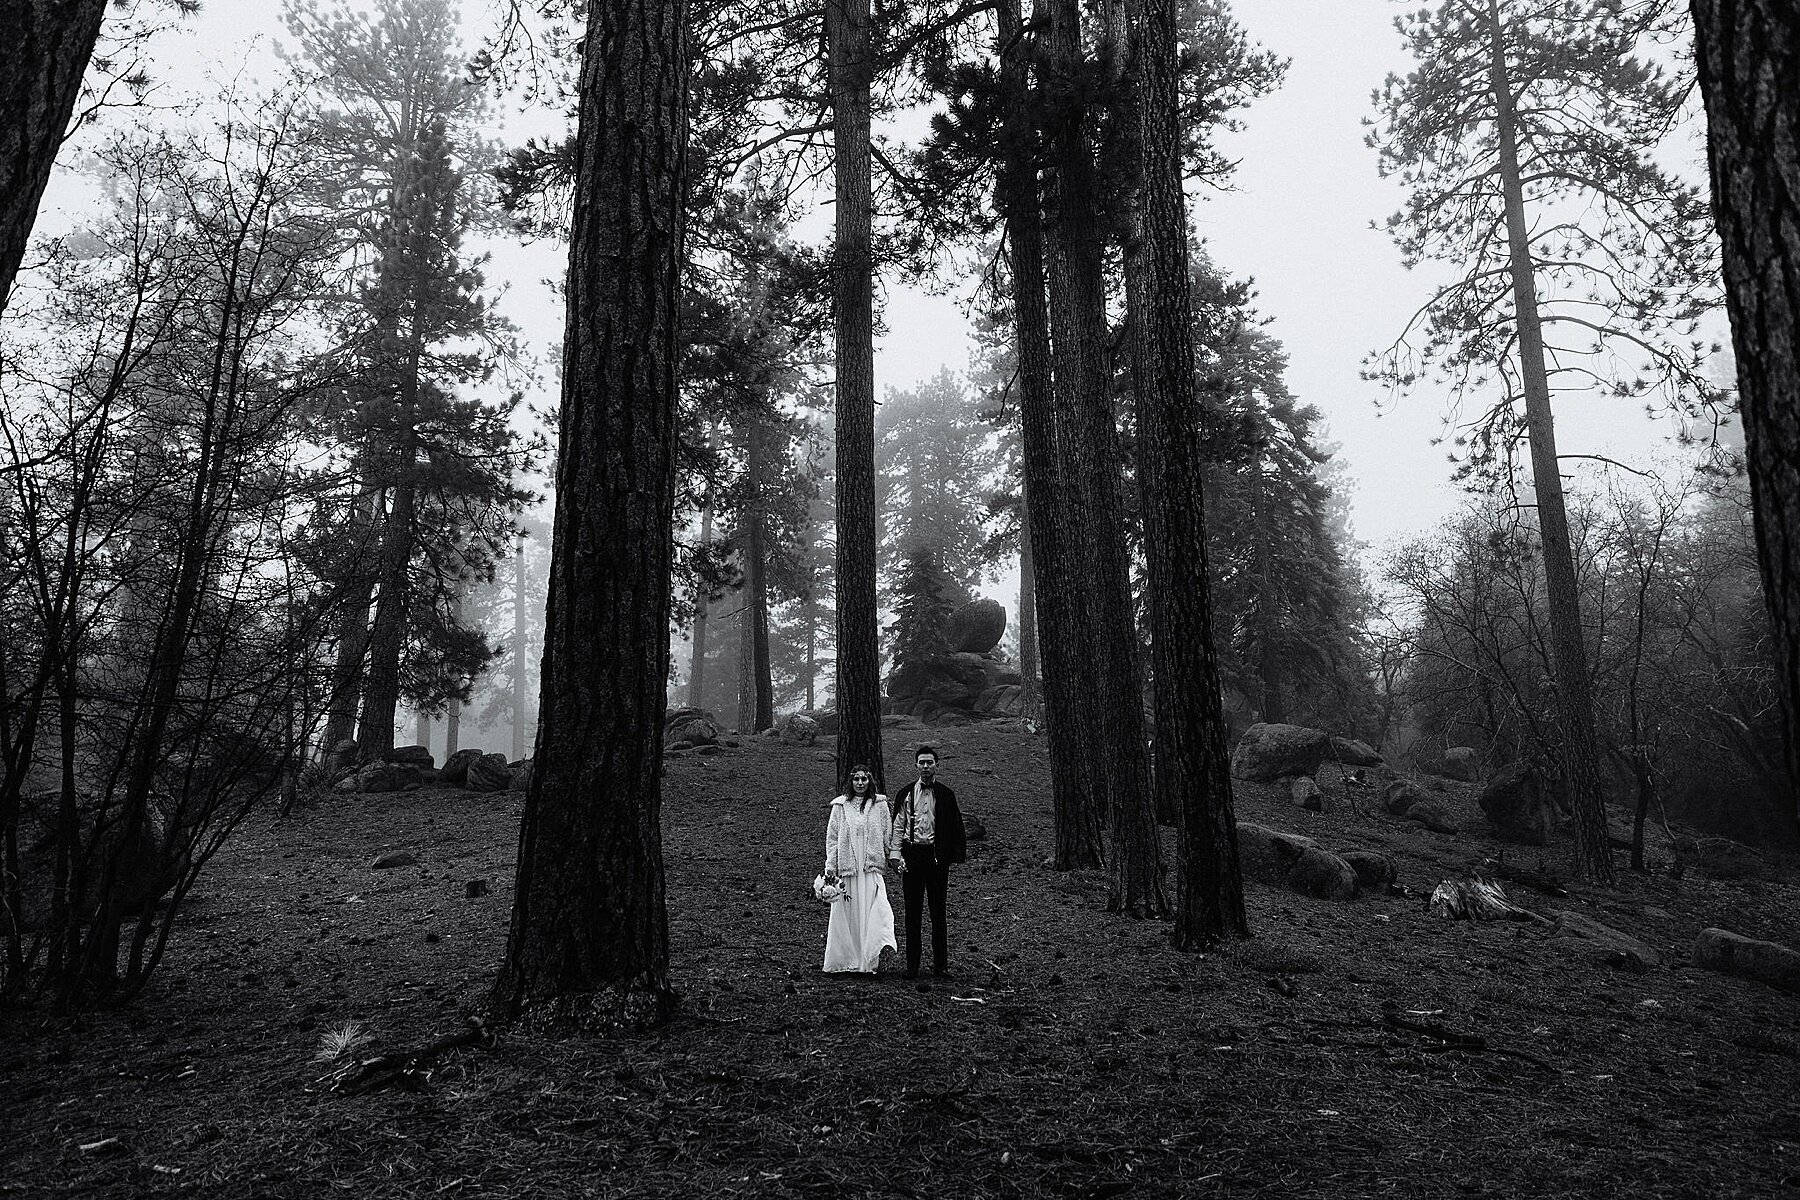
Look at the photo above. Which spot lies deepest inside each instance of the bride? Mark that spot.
(859, 841)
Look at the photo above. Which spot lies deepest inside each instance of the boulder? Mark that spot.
(1373, 868)
(1461, 763)
(926, 711)
(456, 767)
(1267, 855)
(908, 680)
(489, 773)
(899, 720)
(1352, 753)
(1002, 700)
(1720, 857)
(953, 716)
(1432, 815)
(381, 777)
(826, 719)
(1518, 804)
(797, 729)
(393, 858)
(1267, 752)
(1307, 793)
(1458, 762)
(520, 776)
(1322, 875)
(413, 756)
(340, 758)
(1601, 943)
(694, 729)
(1733, 954)
(1002, 674)
(1400, 795)
(976, 627)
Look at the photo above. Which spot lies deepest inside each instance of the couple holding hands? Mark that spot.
(921, 834)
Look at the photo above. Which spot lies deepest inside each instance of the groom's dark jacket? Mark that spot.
(950, 843)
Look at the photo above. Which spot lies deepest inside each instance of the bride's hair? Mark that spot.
(864, 797)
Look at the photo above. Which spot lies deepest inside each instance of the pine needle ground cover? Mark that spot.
(1072, 1054)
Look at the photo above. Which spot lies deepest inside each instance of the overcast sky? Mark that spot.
(1298, 222)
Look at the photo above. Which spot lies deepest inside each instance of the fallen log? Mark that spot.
(407, 1070)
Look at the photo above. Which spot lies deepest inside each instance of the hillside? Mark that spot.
(1073, 1053)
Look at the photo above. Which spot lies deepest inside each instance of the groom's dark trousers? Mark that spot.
(925, 877)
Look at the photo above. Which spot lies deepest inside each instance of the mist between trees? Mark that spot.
(268, 485)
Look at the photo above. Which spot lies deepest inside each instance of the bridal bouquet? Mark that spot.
(828, 889)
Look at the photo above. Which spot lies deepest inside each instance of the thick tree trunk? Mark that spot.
(762, 714)
(1749, 59)
(697, 664)
(353, 629)
(48, 44)
(1033, 689)
(1568, 645)
(518, 653)
(387, 634)
(589, 943)
(1193, 776)
(1268, 665)
(1079, 834)
(1083, 397)
(746, 659)
(853, 306)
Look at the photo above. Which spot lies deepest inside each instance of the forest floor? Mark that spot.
(1073, 1053)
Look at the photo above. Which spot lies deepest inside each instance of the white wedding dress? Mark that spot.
(862, 922)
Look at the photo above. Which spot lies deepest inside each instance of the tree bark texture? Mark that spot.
(1079, 834)
(853, 308)
(387, 634)
(1749, 59)
(697, 664)
(48, 45)
(518, 652)
(589, 943)
(1029, 671)
(762, 686)
(1193, 769)
(1088, 438)
(1568, 645)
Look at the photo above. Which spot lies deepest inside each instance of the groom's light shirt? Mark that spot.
(917, 819)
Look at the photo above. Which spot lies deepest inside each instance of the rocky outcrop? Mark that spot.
(1433, 815)
(976, 627)
(1352, 753)
(1267, 752)
(1519, 805)
(797, 729)
(456, 767)
(381, 777)
(1460, 763)
(972, 681)
(489, 773)
(690, 727)
(412, 756)
(1399, 796)
(1306, 793)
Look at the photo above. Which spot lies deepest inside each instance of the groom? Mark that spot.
(928, 827)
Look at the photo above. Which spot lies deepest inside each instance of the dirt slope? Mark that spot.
(1073, 1054)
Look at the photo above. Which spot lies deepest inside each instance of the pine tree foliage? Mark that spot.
(1621, 250)
(933, 462)
(431, 449)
